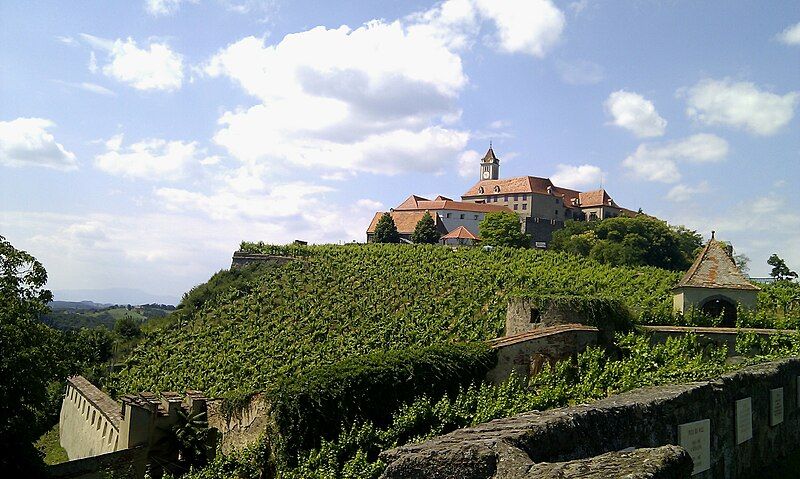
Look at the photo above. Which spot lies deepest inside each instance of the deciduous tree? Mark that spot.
(502, 229)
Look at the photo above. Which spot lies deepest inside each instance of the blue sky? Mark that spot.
(141, 141)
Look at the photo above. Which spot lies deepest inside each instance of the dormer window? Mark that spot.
(480, 190)
(497, 189)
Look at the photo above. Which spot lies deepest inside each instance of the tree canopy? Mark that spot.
(779, 269)
(502, 229)
(29, 358)
(623, 241)
(386, 230)
(425, 232)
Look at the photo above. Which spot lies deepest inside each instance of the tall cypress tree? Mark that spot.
(425, 231)
(386, 230)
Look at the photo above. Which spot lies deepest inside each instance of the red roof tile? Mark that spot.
(714, 268)
(460, 233)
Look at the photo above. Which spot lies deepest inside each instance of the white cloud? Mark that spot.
(790, 36)
(380, 96)
(751, 225)
(66, 40)
(524, 26)
(87, 86)
(578, 6)
(658, 162)
(154, 67)
(468, 162)
(570, 176)
(160, 8)
(27, 142)
(580, 72)
(740, 105)
(636, 114)
(154, 159)
(682, 192)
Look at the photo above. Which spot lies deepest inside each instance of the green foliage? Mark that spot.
(600, 311)
(594, 374)
(780, 271)
(127, 328)
(636, 241)
(290, 250)
(315, 404)
(256, 325)
(29, 359)
(50, 446)
(386, 230)
(502, 229)
(425, 232)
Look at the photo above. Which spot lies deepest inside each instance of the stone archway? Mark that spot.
(717, 306)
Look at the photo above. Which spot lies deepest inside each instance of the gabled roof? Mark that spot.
(596, 198)
(460, 233)
(414, 202)
(489, 156)
(411, 203)
(714, 268)
(521, 184)
(406, 221)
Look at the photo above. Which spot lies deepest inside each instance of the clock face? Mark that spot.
(486, 175)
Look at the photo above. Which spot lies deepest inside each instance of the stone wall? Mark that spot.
(527, 353)
(243, 427)
(643, 418)
(89, 421)
(127, 463)
(717, 336)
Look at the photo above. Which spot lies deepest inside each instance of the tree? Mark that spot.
(780, 271)
(30, 359)
(502, 229)
(386, 230)
(425, 232)
(623, 241)
(127, 328)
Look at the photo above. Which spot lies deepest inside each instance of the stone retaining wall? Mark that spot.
(643, 418)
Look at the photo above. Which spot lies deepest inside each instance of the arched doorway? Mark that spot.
(720, 306)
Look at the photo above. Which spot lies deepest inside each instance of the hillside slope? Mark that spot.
(340, 301)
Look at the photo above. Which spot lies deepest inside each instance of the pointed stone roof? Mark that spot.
(460, 233)
(489, 157)
(714, 268)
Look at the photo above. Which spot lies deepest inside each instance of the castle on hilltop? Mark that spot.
(542, 207)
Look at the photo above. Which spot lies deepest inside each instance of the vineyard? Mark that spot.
(247, 327)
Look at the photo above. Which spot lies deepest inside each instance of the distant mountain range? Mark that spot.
(105, 297)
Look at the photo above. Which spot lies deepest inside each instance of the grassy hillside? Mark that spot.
(243, 329)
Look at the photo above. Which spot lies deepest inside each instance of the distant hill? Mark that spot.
(86, 314)
(246, 327)
(77, 305)
(113, 296)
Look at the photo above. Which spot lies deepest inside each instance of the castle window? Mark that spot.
(515, 198)
(556, 200)
(497, 189)
(515, 207)
(506, 199)
(476, 217)
(524, 197)
(480, 190)
(556, 212)
(524, 206)
(462, 216)
(448, 215)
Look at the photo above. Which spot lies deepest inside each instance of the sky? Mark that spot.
(141, 141)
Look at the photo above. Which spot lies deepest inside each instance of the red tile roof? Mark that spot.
(460, 233)
(596, 198)
(406, 221)
(414, 202)
(714, 268)
(521, 184)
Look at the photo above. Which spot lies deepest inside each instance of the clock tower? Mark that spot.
(490, 166)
